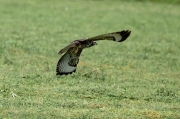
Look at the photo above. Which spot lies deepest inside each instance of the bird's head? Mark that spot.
(90, 43)
(94, 43)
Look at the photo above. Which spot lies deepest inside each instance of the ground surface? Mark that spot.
(138, 78)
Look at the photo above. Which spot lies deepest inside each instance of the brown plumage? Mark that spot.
(68, 62)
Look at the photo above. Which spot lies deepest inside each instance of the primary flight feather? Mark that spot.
(68, 62)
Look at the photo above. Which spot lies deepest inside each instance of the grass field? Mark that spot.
(139, 78)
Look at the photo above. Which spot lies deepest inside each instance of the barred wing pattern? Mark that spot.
(68, 62)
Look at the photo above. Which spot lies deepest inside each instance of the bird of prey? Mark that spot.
(68, 62)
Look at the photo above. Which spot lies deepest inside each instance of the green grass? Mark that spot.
(160, 1)
(138, 78)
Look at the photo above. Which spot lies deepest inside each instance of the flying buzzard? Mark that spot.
(68, 62)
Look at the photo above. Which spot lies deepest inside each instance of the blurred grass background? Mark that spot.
(160, 1)
(138, 78)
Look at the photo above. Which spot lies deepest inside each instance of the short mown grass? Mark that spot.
(138, 78)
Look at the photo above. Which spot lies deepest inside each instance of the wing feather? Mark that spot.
(68, 62)
(115, 36)
(65, 49)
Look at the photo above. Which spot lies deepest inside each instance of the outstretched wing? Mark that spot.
(115, 36)
(68, 62)
(71, 45)
(65, 49)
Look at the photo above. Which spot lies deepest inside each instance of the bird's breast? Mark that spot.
(74, 50)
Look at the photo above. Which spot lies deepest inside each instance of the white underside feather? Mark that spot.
(64, 66)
